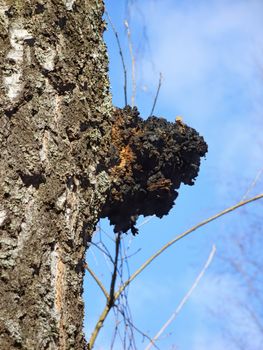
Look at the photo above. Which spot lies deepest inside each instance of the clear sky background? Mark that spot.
(210, 53)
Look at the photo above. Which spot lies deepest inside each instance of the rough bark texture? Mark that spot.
(54, 132)
(67, 157)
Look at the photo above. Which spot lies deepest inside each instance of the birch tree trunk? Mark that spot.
(54, 135)
(67, 158)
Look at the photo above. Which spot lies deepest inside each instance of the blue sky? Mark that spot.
(210, 53)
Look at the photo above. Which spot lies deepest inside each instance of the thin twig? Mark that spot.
(133, 97)
(98, 281)
(132, 254)
(114, 274)
(121, 55)
(244, 274)
(110, 300)
(185, 298)
(105, 252)
(253, 183)
(256, 318)
(157, 94)
(184, 234)
(131, 324)
(116, 329)
(107, 234)
(124, 301)
(146, 221)
(117, 294)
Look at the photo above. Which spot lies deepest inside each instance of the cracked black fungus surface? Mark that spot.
(154, 157)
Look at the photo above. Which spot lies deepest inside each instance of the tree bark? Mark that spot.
(68, 158)
(55, 130)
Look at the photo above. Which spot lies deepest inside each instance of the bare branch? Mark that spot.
(185, 298)
(157, 93)
(133, 63)
(110, 300)
(98, 326)
(114, 274)
(253, 183)
(131, 324)
(105, 251)
(184, 234)
(121, 55)
(146, 221)
(98, 281)
(116, 295)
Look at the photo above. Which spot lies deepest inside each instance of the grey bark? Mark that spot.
(55, 130)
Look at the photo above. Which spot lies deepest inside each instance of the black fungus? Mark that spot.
(154, 157)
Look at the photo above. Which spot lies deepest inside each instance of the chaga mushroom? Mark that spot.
(154, 157)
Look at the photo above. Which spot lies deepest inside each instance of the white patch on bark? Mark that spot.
(46, 58)
(27, 223)
(3, 9)
(13, 80)
(49, 62)
(13, 85)
(17, 37)
(69, 4)
(92, 174)
(72, 211)
(54, 257)
(3, 217)
(57, 268)
(71, 214)
(61, 201)
(57, 110)
(43, 153)
(68, 216)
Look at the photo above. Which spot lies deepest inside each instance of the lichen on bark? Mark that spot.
(55, 122)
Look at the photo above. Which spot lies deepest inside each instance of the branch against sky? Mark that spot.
(184, 299)
(242, 261)
(113, 296)
(182, 235)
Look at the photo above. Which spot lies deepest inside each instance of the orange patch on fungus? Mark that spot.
(126, 156)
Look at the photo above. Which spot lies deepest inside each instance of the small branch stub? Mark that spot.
(152, 158)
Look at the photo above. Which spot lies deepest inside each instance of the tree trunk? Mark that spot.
(54, 133)
(67, 158)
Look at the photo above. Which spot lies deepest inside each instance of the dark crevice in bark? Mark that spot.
(84, 181)
(30, 42)
(72, 135)
(59, 81)
(10, 12)
(34, 180)
(61, 22)
(28, 96)
(39, 8)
